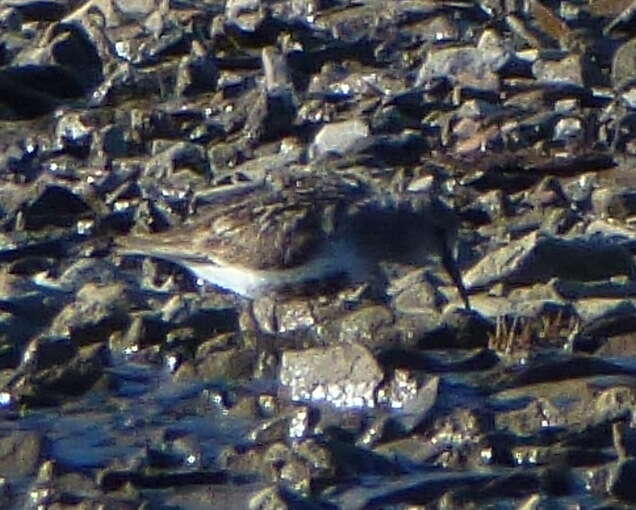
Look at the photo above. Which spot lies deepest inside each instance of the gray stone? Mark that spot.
(566, 71)
(276, 72)
(345, 375)
(339, 137)
(539, 257)
(624, 64)
(471, 67)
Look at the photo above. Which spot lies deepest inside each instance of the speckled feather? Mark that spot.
(275, 236)
(299, 227)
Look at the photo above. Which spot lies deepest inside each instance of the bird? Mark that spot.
(300, 226)
(274, 236)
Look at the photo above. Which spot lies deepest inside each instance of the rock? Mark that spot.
(97, 312)
(73, 378)
(621, 486)
(55, 206)
(177, 156)
(568, 129)
(294, 315)
(73, 133)
(623, 64)
(417, 297)
(537, 258)
(47, 10)
(345, 375)
(624, 439)
(244, 14)
(614, 203)
(601, 314)
(20, 454)
(459, 329)
(618, 346)
(272, 116)
(470, 67)
(565, 72)
(408, 489)
(412, 399)
(370, 326)
(231, 364)
(339, 137)
(412, 448)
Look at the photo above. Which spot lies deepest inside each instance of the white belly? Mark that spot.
(252, 283)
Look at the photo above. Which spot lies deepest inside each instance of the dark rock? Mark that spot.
(460, 329)
(370, 326)
(73, 134)
(88, 270)
(417, 295)
(43, 353)
(411, 399)
(412, 449)
(197, 73)
(57, 206)
(40, 10)
(606, 318)
(112, 480)
(65, 67)
(177, 156)
(621, 486)
(20, 157)
(624, 439)
(413, 489)
(232, 364)
(20, 454)
(553, 370)
(272, 116)
(207, 316)
(97, 312)
(614, 203)
(621, 345)
(245, 14)
(74, 378)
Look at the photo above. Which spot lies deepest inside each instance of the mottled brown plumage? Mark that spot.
(297, 227)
